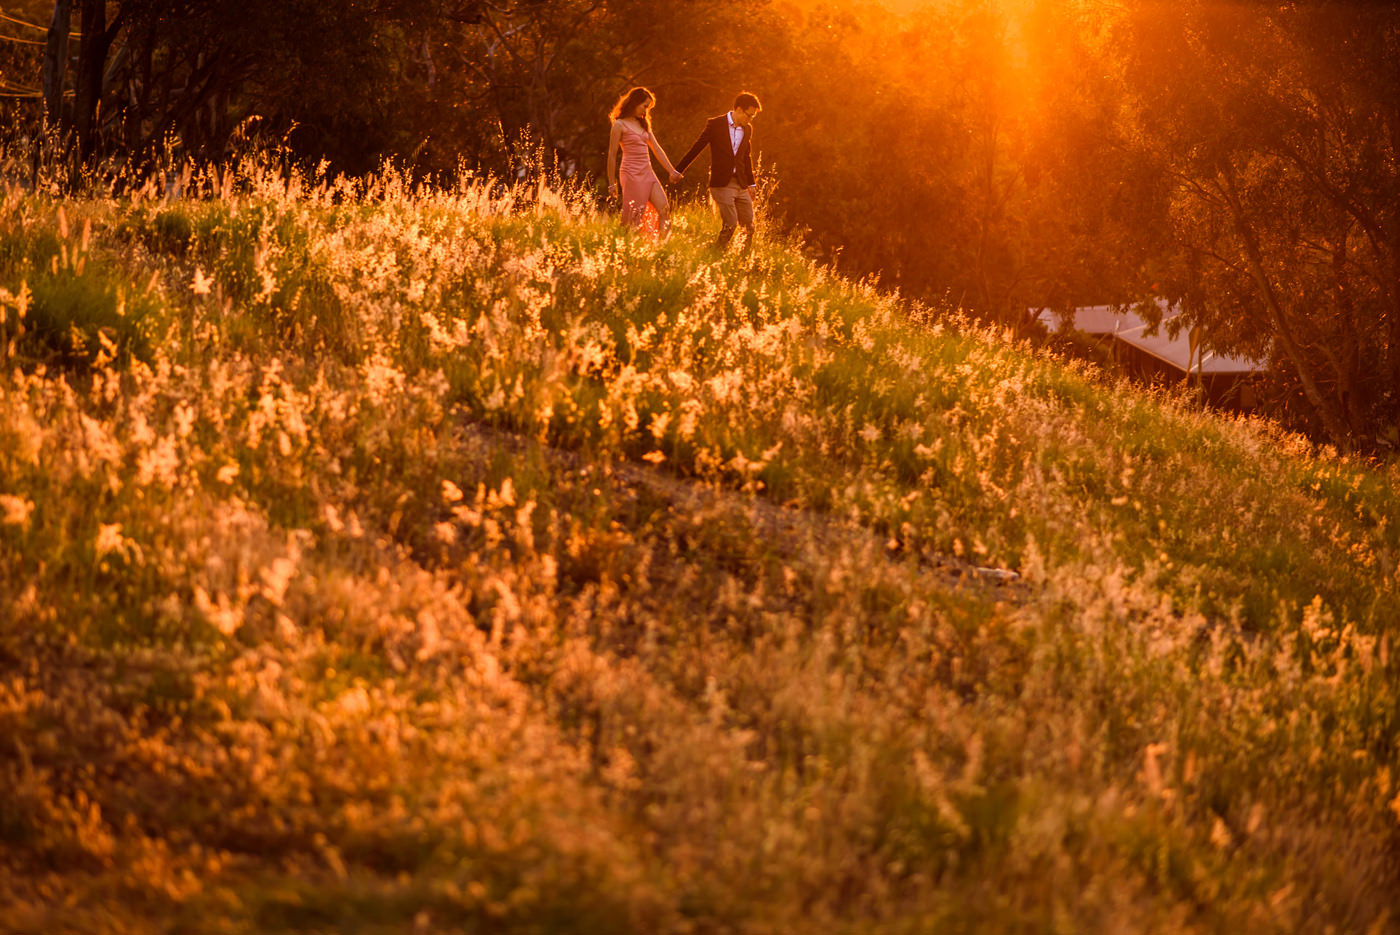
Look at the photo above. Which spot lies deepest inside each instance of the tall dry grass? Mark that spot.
(384, 558)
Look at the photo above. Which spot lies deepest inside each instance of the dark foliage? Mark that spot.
(1001, 156)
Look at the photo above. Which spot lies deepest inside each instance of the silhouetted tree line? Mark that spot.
(1008, 155)
(342, 79)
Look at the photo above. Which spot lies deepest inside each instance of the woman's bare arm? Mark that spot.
(661, 154)
(614, 140)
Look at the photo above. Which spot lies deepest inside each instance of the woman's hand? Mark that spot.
(612, 188)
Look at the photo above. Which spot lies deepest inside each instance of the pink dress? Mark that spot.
(635, 175)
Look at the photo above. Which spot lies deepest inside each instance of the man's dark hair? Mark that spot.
(746, 100)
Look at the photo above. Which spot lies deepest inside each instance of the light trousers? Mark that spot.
(735, 210)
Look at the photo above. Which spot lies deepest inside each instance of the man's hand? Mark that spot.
(676, 176)
(753, 192)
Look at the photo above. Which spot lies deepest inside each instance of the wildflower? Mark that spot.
(690, 415)
(107, 347)
(184, 419)
(16, 510)
(20, 302)
(202, 283)
(655, 457)
(354, 701)
(286, 628)
(26, 437)
(268, 279)
(1220, 834)
(1151, 769)
(332, 517)
(159, 464)
(109, 538)
(110, 541)
(227, 473)
(382, 378)
(451, 493)
(275, 579)
(505, 497)
(98, 441)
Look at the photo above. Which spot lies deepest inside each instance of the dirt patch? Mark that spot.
(787, 529)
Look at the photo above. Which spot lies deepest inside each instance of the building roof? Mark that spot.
(1122, 324)
(1091, 319)
(1177, 352)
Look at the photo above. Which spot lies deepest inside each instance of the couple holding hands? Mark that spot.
(729, 138)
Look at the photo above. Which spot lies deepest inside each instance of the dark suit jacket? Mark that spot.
(725, 164)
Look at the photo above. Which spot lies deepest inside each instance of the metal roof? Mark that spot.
(1092, 319)
(1177, 352)
(1127, 326)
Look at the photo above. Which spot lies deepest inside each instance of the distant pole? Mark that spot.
(56, 61)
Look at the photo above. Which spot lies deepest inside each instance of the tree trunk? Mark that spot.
(56, 61)
(1334, 421)
(92, 62)
(1351, 373)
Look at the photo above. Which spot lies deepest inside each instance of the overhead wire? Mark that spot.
(12, 19)
(19, 91)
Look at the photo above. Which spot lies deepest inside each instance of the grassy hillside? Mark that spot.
(375, 559)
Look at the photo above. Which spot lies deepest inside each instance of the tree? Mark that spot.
(96, 37)
(1278, 127)
(150, 70)
(553, 68)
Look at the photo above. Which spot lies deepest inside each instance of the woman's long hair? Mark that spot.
(628, 103)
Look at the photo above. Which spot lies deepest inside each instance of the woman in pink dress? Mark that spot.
(631, 130)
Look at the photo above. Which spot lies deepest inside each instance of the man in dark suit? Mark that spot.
(730, 139)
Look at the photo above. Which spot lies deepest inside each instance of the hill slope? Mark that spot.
(378, 559)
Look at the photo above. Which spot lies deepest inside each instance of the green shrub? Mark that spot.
(76, 321)
(171, 231)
